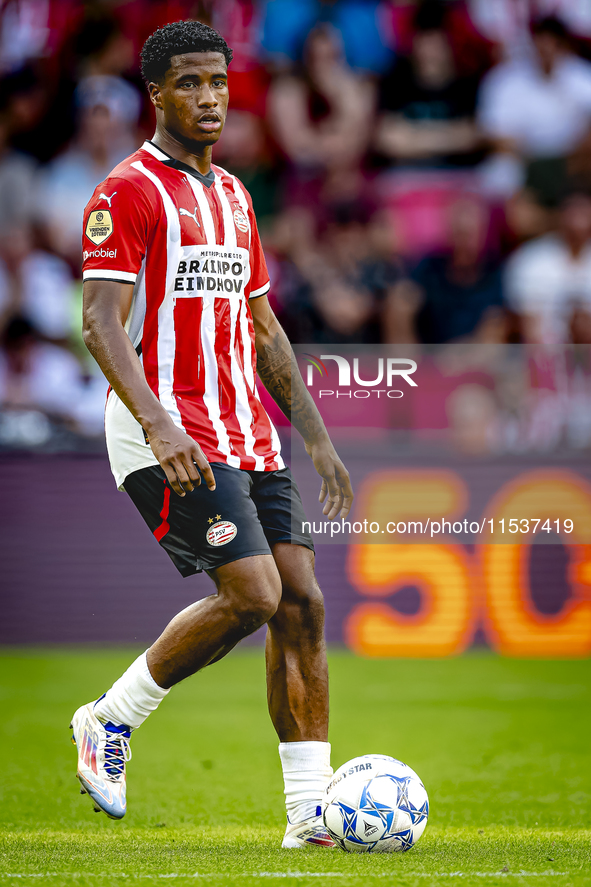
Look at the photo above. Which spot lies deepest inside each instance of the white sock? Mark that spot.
(306, 773)
(132, 698)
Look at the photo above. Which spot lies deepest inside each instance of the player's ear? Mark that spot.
(154, 91)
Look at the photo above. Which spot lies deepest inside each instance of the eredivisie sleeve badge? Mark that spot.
(99, 226)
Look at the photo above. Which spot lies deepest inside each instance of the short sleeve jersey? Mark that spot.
(189, 244)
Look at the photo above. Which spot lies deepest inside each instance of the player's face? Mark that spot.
(193, 99)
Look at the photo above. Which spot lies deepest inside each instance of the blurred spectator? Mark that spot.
(381, 267)
(359, 23)
(107, 108)
(245, 151)
(321, 117)
(323, 285)
(507, 21)
(67, 183)
(548, 280)
(473, 52)
(239, 21)
(451, 296)
(34, 29)
(106, 53)
(537, 107)
(426, 107)
(21, 104)
(37, 285)
(36, 375)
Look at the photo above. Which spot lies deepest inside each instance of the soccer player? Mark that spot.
(176, 314)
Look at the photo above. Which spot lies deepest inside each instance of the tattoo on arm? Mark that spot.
(278, 371)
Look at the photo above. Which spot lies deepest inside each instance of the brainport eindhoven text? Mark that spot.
(389, 371)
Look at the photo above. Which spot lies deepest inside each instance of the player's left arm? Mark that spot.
(278, 371)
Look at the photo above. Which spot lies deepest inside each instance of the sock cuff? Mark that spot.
(145, 675)
(309, 755)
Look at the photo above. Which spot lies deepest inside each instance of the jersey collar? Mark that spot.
(167, 160)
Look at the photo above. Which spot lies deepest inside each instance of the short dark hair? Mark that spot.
(175, 39)
(550, 24)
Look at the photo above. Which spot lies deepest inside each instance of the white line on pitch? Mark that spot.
(344, 875)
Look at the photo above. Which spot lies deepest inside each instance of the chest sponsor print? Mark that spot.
(222, 532)
(213, 271)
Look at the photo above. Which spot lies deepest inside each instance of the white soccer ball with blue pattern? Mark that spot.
(375, 804)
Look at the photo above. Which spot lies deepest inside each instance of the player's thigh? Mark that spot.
(205, 529)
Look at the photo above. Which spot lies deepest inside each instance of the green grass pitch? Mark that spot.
(503, 747)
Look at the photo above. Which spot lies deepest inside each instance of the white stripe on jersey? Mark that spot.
(243, 411)
(134, 325)
(207, 334)
(104, 274)
(166, 334)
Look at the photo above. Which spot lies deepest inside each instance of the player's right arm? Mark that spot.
(119, 220)
(105, 308)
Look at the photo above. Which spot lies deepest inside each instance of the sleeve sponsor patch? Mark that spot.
(99, 226)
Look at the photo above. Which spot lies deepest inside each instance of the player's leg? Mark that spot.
(297, 691)
(248, 592)
(197, 534)
(297, 670)
(297, 674)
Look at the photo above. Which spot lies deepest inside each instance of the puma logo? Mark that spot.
(193, 215)
(108, 199)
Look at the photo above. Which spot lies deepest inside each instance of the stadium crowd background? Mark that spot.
(421, 173)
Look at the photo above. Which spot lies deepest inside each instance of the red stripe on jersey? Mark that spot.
(161, 531)
(188, 362)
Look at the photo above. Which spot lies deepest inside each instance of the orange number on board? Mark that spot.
(515, 627)
(441, 572)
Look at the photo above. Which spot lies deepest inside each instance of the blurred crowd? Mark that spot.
(420, 170)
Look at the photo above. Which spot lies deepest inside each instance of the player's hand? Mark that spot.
(181, 458)
(336, 491)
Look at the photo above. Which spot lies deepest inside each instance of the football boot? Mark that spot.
(103, 750)
(309, 833)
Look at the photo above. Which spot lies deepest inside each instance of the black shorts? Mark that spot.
(246, 514)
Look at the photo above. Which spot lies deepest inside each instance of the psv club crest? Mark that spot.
(222, 532)
(240, 221)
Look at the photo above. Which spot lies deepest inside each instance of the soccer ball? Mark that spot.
(375, 804)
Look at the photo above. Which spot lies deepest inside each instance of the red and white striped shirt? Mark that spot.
(190, 245)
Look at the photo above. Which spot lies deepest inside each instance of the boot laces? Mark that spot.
(117, 752)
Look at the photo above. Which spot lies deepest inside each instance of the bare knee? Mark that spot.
(251, 602)
(301, 611)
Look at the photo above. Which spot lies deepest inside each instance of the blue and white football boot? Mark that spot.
(309, 833)
(103, 750)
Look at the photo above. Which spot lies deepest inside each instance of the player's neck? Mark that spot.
(200, 161)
